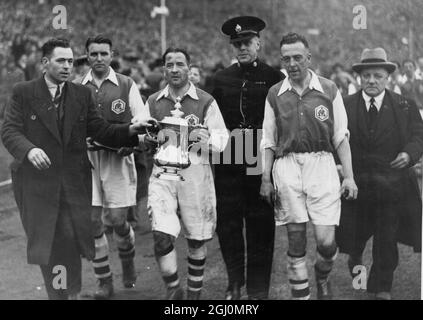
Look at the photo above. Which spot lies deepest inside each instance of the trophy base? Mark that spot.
(170, 174)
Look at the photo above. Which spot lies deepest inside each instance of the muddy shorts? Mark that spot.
(194, 200)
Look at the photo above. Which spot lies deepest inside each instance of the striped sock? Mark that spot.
(195, 273)
(172, 280)
(101, 260)
(324, 265)
(126, 243)
(298, 278)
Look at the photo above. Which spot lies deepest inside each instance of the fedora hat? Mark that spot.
(374, 58)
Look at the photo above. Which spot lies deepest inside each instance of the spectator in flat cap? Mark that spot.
(240, 91)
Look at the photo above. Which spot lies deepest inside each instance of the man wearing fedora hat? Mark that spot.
(386, 138)
(240, 91)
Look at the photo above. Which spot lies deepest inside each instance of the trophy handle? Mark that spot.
(154, 130)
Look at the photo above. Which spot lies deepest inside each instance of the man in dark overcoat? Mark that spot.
(45, 129)
(386, 138)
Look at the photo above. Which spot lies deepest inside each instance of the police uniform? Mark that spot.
(240, 91)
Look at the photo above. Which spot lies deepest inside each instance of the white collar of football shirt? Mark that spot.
(192, 92)
(314, 83)
(111, 77)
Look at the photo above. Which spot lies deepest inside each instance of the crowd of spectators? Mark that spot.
(25, 25)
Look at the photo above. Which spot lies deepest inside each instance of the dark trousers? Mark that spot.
(239, 206)
(64, 252)
(380, 219)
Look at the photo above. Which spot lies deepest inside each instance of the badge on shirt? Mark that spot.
(192, 120)
(321, 113)
(118, 106)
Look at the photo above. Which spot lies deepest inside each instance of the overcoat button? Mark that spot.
(33, 117)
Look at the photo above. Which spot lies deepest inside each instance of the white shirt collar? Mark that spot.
(192, 92)
(378, 100)
(52, 85)
(314, 84)
(111, 77)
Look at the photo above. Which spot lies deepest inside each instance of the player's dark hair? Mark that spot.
(293, 37)
(48, 47)
(176, 50)
(98, 39)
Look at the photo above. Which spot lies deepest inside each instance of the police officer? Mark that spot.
(240, 90)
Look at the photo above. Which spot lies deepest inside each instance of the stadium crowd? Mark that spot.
(235, 91)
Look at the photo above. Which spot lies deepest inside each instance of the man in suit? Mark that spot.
(240, 90)
(386, 138)
(45, 128)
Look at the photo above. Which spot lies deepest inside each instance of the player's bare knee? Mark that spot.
(163, 243)
(327, 249)
(197, 248)
(117, 218)
(195, 244)
(97, 228)
(297, 243)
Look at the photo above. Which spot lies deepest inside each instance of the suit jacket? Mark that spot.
(30, 121)
(395, 183)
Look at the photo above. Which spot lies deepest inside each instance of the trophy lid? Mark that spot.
(175, 121)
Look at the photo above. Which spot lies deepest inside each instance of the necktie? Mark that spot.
(56, 99)
(58, 103)
(372, 113)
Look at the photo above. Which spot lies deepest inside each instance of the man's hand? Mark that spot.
(200, 135)
(39, 159)
(349, 189)
(401, 161)
(267, 191)
(138, 126)
(124, 151)
(151, 142)
(91, 146)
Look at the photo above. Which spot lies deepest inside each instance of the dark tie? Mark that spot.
(59, 107)
(372, 113)
(56, 99)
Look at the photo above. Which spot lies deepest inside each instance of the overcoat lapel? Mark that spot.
(45, 109)
(72, 110)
